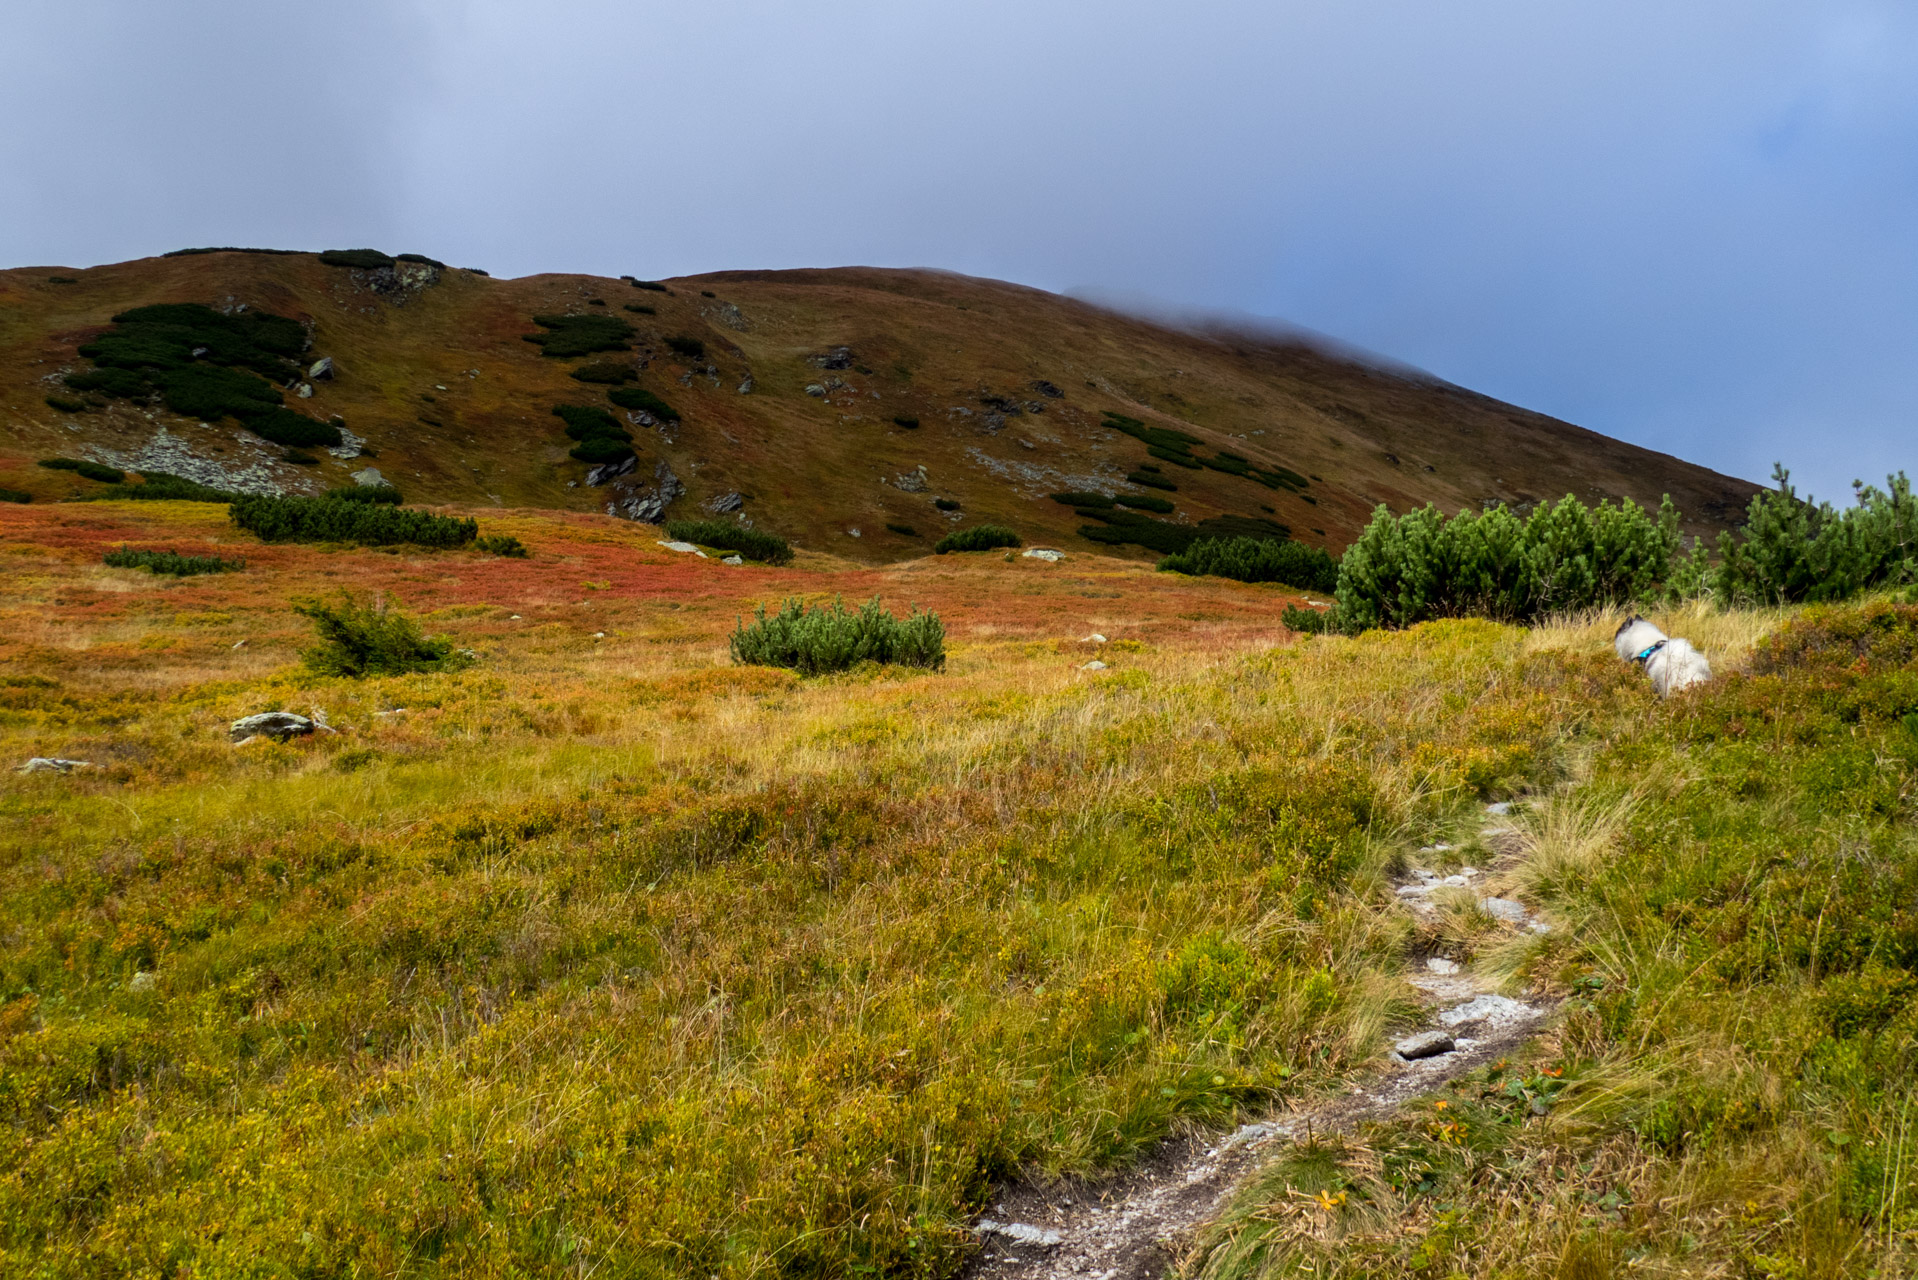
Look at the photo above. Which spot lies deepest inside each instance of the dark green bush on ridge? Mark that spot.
(1257, 560)
(598, 449)
(363, 259)
(640, 309)
(584, 421)
(906, 422)
(569, 336)
(66, 404)
(643, 400)
(1152, 480)
(983, 537)
(689, 348)
(945, 504)
(169, 562)
(751, 543)
(1082, 498)
(834, 638)
(379, 494)
(1137, 502)
(91, 470)
(355, 640)
(1793, 550)
(162, 486)
(329, 519)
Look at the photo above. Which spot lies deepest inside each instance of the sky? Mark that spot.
(1691, 226)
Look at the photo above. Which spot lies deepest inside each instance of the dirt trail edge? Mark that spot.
(1129, 1228)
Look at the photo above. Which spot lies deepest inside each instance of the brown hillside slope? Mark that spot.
(457, 407)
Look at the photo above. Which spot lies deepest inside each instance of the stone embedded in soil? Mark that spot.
(1441, 966)
(1019, 1233)
(1426, 1044)
(278, 725)
(52, 764)
(1500, 809)
(1504, 909)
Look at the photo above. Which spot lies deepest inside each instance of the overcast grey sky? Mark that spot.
(1691, 225)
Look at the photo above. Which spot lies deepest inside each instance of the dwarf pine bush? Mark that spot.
(1792, 549)
(378, 494)
(163, 486)
(329, 519)
(981, 537)
(169, 562)
(751, 543)
(1410, 568)
(569, 336)
(1257, 560)
(641, 399)
(91, 470)
(835, 638)
(358, 640)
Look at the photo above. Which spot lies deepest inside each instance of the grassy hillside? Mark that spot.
(925, 386)
(603, 955)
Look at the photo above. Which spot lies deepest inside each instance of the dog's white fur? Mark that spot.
(1670, 664)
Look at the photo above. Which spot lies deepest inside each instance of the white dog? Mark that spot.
(1670, 664)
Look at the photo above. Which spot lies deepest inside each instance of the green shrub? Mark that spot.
(606, 371)
(1257, 560)
(15, 495)
(293, 430)
(907, 422)
(654, 285)
(63, 280)
(688, 348)
(1159, 505)
(66, 404)
(1406, 569)
(328, 519)
(299, 459)
(379, 494)
(1185, 460)
(751, 543)
(162, 486)
(123, 384)
(834, 638)
(945, 504)
(91, 470)
(422, 259)
(641, 309)
(585, 421)
(212, 392)
(1082, 499)
(1309, 622)
(169, 562)
(188, 253)
(570, 336)
(356, 641)
(363, 259)
(903, 530)
(1792, 549)
(1124, 528)
(597, 449)
(982, 537)
(1152, 480)
(643, 400)
(501, 544)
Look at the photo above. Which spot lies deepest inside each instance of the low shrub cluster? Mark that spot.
(906, 422)
(1150, 478)
(1257, 560)
(833, 638)
(687, 348)
(331, 519)
(1170, 445)
(570, 336)
(1122, 528)
(1406, 569)
(363, 259)
(981, 537)
(903, 530)
(359, 640)
(188, 253)
(1793, 549)
(205, 364)
(15, 495)
(502, 544)
(751, 543)
(66, 404)
(640, 309)
(638, 398)
(381, 493)
(91, 470)
(606, 371)
(169, 562)
(653, 285)
(601, 438)
(1308, 621)
(946, 504)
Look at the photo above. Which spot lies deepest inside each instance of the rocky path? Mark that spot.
(1128, 1228)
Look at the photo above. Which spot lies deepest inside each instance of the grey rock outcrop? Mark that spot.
(725, 503)
(322, 370)
(53, 764)
(1426, 1044)
(837, 358)
(277, 725)
(646, 504)
(608, 471)
(369, 477)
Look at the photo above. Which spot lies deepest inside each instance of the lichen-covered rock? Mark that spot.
(277, 725)
(53, 764)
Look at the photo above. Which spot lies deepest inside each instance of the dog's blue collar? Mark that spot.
(1649, 652)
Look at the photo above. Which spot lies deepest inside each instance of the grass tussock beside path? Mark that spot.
(1728, 1092)
(602, 954)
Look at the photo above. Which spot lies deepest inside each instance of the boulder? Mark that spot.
(734, 559)
(746, 386)
(682, 547)
(725, 503)
(53, 764)
(305, 392)
(277, 725)
(1046, 554)
(1504, 909)
(910, 482)
(1046, 389)
(837, 358)
(814, 390)
(1426, 1044)
(612, 470)
(1094, 665)
(322, 369)
(368, 476)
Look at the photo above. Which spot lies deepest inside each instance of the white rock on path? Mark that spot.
(1046, 554)
(1018, 1232)
(1094, 665)
(53, 764)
